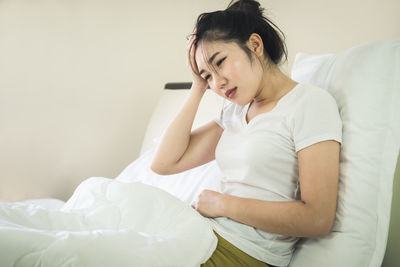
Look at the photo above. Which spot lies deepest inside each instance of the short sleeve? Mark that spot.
(224, 114)
(316, 119)
(219, 119)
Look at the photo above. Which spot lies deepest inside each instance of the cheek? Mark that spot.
(240, 69)
(218, 92)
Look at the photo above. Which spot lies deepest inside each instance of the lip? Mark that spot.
(227, 93)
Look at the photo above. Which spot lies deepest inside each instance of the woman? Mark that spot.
(277, 142)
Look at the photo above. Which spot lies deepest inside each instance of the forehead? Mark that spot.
(206, 49)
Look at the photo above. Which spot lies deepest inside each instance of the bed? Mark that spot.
(140, 218)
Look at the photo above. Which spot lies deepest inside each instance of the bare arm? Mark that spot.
(182, 149)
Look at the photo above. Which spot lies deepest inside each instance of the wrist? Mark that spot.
(226, 201)
(198, 89)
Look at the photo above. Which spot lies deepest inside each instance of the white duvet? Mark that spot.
(107, 222)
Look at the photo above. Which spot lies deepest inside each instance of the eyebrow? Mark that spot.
(210, 60)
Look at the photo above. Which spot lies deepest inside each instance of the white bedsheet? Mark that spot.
(106, 223)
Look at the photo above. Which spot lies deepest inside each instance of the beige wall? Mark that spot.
(79, 79)
(78, 82)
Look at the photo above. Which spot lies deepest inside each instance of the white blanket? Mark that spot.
(106, 223)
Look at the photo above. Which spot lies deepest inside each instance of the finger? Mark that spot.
(192, 59)
(191, 37)
(191, 45)
(193, 34)
(191, 50)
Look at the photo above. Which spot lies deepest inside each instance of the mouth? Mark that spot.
(231, 92)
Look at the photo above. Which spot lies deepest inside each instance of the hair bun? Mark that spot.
(249, 6)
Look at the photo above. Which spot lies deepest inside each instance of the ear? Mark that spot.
(255, 44)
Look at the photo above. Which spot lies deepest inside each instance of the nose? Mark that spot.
(219, 82)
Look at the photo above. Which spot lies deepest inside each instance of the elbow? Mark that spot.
(156, 169)
(323, 227)
(321, 220)
(158, 166)
(323, 232)
(160, 170)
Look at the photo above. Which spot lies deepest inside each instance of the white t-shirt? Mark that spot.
(259, 160)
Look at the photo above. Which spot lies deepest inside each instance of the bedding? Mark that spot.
(105, 223)
(186, 185)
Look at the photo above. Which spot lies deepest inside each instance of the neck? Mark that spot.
(273, 86)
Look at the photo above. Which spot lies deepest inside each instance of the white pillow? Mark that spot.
(365, 81)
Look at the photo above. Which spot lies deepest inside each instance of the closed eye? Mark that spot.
(220, 61)
(218, 64)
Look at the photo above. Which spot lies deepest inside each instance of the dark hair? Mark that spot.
(236, 23)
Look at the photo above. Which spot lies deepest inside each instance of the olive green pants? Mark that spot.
(227, 255)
